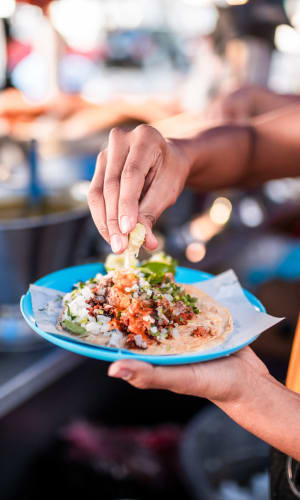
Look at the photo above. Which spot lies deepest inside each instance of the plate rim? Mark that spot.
(110, 354)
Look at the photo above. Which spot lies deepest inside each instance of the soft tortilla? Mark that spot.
(212, 316)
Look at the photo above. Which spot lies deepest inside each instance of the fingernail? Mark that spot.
(123, 374)
(152, 241)
(116, 243)
(125, 224)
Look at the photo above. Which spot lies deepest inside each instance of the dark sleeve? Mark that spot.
(280, 487)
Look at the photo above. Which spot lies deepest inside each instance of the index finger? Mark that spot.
(145, 156)
(116, 156)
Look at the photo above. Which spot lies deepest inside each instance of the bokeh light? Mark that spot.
(7, 8)
(220, 210)
(287, 39)
(78, 21)
(237, 2)
(195, 251)
(251, 212)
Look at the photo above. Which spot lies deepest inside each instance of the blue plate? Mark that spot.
(64, 280)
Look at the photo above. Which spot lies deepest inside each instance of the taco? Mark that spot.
(142, 308)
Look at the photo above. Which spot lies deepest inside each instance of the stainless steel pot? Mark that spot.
(31, 247)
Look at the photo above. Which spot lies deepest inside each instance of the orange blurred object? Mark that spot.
(293, 376)
(43, 4)
(39, 3)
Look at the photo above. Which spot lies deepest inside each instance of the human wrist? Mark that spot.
(221, 156)
(242, 372)
(181, 149)
(247, 391)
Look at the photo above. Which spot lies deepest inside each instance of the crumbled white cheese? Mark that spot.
(86, 292)
(140, 342)
(93, 328)
(67, 297)
(77, 305)
(115, 339)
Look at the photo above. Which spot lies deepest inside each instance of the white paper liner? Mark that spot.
(248, 321)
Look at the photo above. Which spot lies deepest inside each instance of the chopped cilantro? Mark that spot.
(69, 313)
(80, 284)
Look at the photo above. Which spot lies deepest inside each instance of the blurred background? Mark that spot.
(70, 70)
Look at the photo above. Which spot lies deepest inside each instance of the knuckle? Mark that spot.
(112, 221)
(111, 183)
(141, 383)
(93, 196)
(148, 219)
(145, 131)
(142, 129)
(101, 156)
(103, 229)
(116, 133)
(131, 170)
(148, 138)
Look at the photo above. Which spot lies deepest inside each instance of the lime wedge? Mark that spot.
(161, 257)
(136, 239)
(114, 262)
(127, 259)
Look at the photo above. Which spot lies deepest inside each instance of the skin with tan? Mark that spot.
(139, 175)
(247, 102)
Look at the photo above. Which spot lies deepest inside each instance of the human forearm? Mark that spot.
(240, 385)
(239, 155)
(218, 157)
(270, 411)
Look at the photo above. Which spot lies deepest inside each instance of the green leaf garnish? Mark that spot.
(155, 271)
(75, 328)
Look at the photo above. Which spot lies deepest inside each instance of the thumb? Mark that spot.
(148, 221)
(180, 379)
